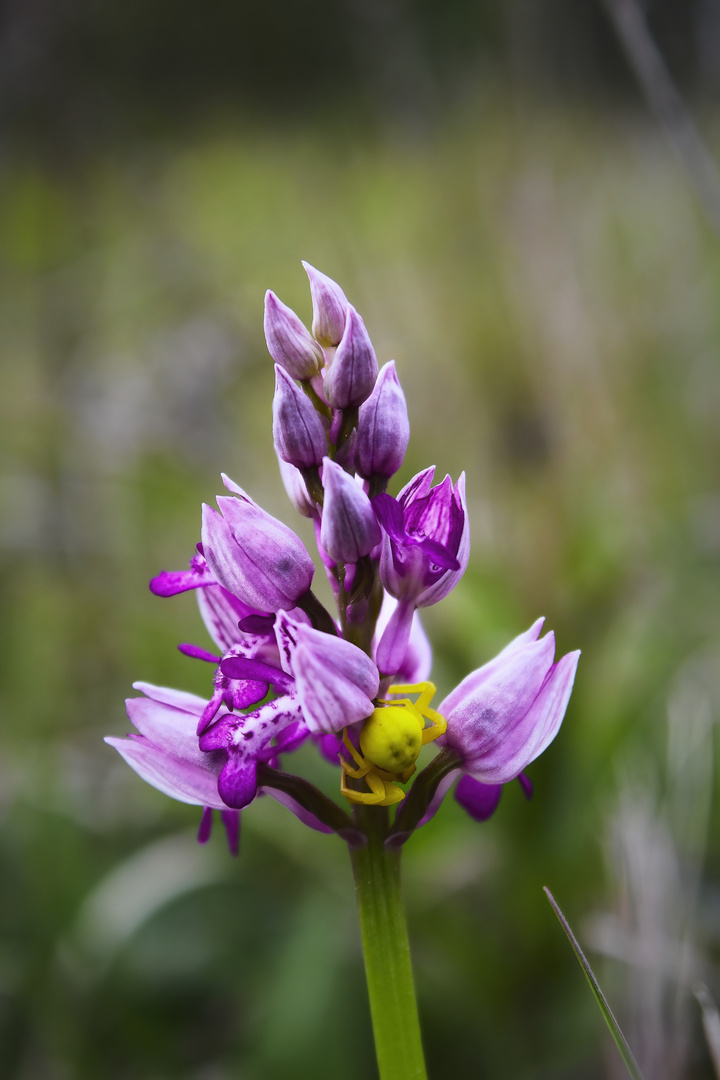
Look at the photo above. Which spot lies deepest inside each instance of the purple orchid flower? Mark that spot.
(253, 555)
(502, 716)
(253, 661)
(167, 755)
(243, 678)
(499, 719)
(286, 670)
(425, 552)
(248, 739)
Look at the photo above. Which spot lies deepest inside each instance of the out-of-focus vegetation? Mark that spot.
(550, 294)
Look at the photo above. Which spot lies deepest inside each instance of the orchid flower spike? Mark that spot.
(284, 671)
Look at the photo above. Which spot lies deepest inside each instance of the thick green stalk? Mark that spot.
(387, 951)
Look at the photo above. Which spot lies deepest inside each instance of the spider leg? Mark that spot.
(438, 726)
(376, 796)
(357, 774)
(399, 701)
(393, 793)
(426, 690)
(359, 760)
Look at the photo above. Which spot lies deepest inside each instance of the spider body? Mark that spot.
(390, 740)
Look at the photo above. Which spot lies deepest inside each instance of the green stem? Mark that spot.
(387, 951)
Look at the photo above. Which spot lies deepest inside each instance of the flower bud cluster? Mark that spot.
(287, 670)
(329, 399)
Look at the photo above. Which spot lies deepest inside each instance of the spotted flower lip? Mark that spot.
(502, 716)
(253, 555)
(246, 740)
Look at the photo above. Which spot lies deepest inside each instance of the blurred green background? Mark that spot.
(485, 183)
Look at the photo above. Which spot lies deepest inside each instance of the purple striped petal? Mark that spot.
(255, 556)
(481, 719)
(535, 731)
(166, 695)
(439, 554)
(335, 681)
(389, 514)
(188, 781)
(418, 487)
(349, 528)
(472, 683)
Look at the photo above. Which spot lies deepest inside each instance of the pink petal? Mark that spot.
(188, 782)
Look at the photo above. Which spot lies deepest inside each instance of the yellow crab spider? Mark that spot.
(390, 741)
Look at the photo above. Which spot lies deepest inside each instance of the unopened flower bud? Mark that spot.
(289, 342)
(297, 429)
(383, 427)
(296, 489)
(352, 374)
(254, 556)
(329, 307)
(349, 527)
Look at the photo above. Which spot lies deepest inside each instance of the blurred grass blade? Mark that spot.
(711, 1023)
(625, 1052)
